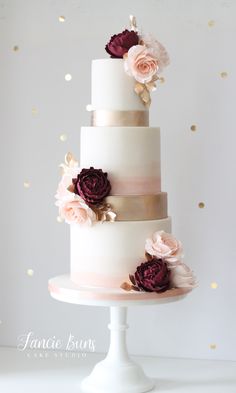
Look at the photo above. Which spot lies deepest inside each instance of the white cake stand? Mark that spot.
(117, 373)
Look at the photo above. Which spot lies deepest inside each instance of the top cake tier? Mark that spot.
(112, 88)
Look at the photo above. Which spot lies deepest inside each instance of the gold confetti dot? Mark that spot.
(211, 23)
(61, 18)
(26, 184)
(68, 77)
(214, 285)
(193, 127)
(212, 346)
(59, 219)
(63, 137)
(34, 111)
(201, 205)
(30, 272)
(224, 74)
(162, 79)
(15, 48)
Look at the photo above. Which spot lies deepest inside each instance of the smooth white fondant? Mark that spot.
(130, 155)
(112, 88)
(106, 253)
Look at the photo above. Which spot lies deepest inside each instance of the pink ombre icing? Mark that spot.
(97, 280)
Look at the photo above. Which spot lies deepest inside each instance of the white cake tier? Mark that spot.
(130, 155)
(106, 253)
(112, 88)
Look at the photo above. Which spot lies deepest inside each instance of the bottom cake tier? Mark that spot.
(105, 254)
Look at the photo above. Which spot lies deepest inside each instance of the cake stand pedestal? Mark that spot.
(117, 373)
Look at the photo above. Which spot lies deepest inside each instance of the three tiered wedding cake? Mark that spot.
(119, 224)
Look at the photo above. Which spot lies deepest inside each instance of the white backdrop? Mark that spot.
(41, 116)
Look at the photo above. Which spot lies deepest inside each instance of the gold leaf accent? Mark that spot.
(138, 88)
(126, 286)
(70, 162)
(161, 79)
(68, 158)
(145, 95)
(137, 289)
(132, 279)
(133, 23)
(143, 90)
(71, 188)
(148, 256)
(104, 212)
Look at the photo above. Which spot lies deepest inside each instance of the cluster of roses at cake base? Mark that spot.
(163, 269)
(144, 59)
(81, 193)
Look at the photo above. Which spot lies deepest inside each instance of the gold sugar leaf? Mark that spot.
(111, 216)
(162, 79)
(126, 286)
(139, 88)
(145, 96)
(68, 158)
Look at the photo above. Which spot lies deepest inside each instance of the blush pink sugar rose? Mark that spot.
(77, 211)
(181, 276)
(141, 63)
(63, 194)
(159, 51)
(166, 246)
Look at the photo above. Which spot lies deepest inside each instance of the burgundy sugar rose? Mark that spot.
(92, 185)
(119, 44)
(152, 276)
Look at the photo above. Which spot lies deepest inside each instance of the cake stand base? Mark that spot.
(117, 373)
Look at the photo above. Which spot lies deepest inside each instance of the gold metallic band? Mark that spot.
(103, 118)
(139, 207)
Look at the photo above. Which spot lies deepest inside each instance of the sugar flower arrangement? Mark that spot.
(164, 267)
(80, 194)
(144, 59)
